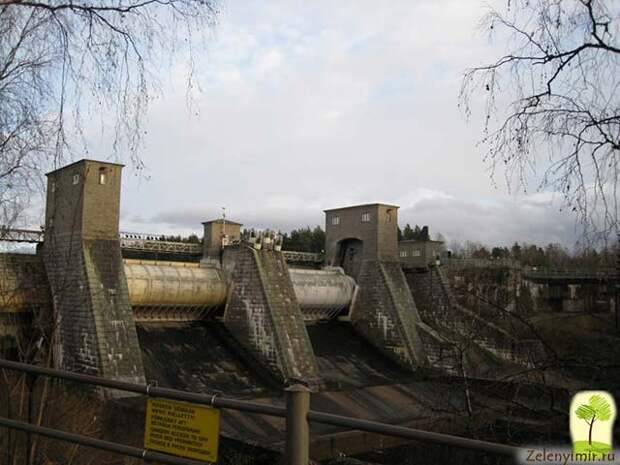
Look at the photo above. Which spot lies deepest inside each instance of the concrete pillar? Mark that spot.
(297, 429)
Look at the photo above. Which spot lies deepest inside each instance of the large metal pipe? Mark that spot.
(158, 285)
(153, 283)
(322, 293)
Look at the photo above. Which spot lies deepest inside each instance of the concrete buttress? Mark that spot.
(95, 331)
(264, 316)
(385, 314)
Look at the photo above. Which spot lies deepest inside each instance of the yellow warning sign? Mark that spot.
(183, 429)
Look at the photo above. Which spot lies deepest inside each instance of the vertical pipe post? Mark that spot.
(432, 302)
(617, 283)
(297, 430)
(30, 380)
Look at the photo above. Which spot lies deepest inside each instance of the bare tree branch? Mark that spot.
(556, 96)
(64, 62)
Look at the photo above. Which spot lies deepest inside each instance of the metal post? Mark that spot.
(30, 381)
(297, 431)
(432, 302)
(617, 283)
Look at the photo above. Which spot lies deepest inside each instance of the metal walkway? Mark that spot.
(150, 243)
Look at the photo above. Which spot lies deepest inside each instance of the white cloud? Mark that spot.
(332, 114)
(307, 106)
(503, 223)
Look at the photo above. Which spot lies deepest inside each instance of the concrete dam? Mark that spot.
(371, 337)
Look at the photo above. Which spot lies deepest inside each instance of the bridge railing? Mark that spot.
(145, 245)
(483, 263)
(533, 272)
(296, 412)
(20, 235)
(549, 274)
(150, 242)
(305, 257)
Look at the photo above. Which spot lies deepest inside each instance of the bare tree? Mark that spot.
(66, 63)
(552, 104)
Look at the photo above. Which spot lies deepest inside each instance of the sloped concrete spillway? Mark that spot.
(183, 291)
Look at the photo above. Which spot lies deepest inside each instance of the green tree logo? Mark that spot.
(597, 409)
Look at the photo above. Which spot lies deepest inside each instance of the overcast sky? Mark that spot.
(312, 105)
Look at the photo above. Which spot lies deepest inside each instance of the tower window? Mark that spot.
(388, 216)
(53, 186)
(102, 176)
(76, 179)
(335, 220)
(365, 217)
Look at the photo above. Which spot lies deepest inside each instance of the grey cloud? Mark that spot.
(306, 107)
(501, 223)
(279, 219)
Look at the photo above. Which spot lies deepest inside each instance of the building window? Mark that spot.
(365, 217)
(102, 176)
(416, 253)
(335, 220)
(76, 179)
(388, 216)
(53, 186)
(403, 253)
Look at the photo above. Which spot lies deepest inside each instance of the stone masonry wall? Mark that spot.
(116, 329)
(385, 313)
(96, 332)
(440, 310)
(263, 315)
(75, 338)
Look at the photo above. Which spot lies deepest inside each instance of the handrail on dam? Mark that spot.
(216, 400)
(150, 242)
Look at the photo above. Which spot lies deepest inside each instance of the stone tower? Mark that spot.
(215, 231)
(361, 232)
(95, 331)
(363, 240)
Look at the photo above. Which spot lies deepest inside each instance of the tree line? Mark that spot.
(552, 255)
(304, 240)
(416, 233)
(191, 239)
